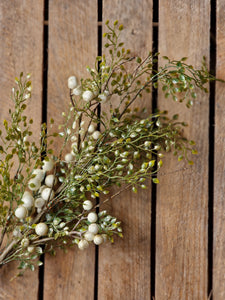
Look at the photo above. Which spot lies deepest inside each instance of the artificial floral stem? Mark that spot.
(113, 196)
(115, 68)
(7, 250)
(41, 241)
(5, 227)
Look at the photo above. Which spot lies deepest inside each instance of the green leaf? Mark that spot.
(23, 265)
(180, 157)
(138, 60)
(39, 263)
(155, 180)
(151, 163)
(120, 27)
(134, 189)
(194, 151)
(31, 267)
(160, 163)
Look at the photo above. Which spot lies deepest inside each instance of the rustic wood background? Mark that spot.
(174, 244)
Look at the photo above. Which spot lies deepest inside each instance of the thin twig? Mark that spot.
(7, 250)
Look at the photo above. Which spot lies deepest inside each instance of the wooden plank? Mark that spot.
(124, 267)
(182, 195)
(219, 204)
(72, 46)
(21, 34)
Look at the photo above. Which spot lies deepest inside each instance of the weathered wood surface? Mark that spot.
(21, 50)
(124, 267)
(72, 46)
(182, 195)
(219, 203)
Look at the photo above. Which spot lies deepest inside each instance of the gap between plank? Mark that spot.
(155, 19)
(211, 147)
(99, 51)
(44, 118)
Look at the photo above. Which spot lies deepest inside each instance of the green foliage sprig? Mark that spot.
(48, 199)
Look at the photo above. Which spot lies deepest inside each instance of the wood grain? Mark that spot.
(124, 267)
(182, 195)
(219, 187)
(21, 34)
(72, 46)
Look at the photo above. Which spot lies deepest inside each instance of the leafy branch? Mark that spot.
(50, 199)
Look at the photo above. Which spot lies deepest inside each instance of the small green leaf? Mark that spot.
(134, 189)
(138, 60)
(155, 180)
(194, 151)
(180, 157)
(160, 163)
(23, 265)
(151, 163)
(120, 27)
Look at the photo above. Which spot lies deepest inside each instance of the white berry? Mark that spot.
(21, 212)
(41, 229)
(96, 134)
(28, 200)
(89, 236)
(48, 165)
(30, 249)
(91, 129)
(77, 91)
(72, 82)
(50, 180)
(39, 202)
(47, 194)
(83, 244)
(69, 157)
(87, 96)
(93, 228)
(25, 242)
(103, 97)
(34, 184)
(39, 174)
(42, 188)
(98, 239)
(87, 205)
(92, 217)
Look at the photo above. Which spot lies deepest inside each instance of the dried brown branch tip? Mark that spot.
(50, 199)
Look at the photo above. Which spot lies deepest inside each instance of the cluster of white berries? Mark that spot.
(92, 234)
(42, 185)
(88, 146)
(86, 95)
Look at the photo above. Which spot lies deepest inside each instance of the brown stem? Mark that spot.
(7, 250)
(5, 227)
(115, 195)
